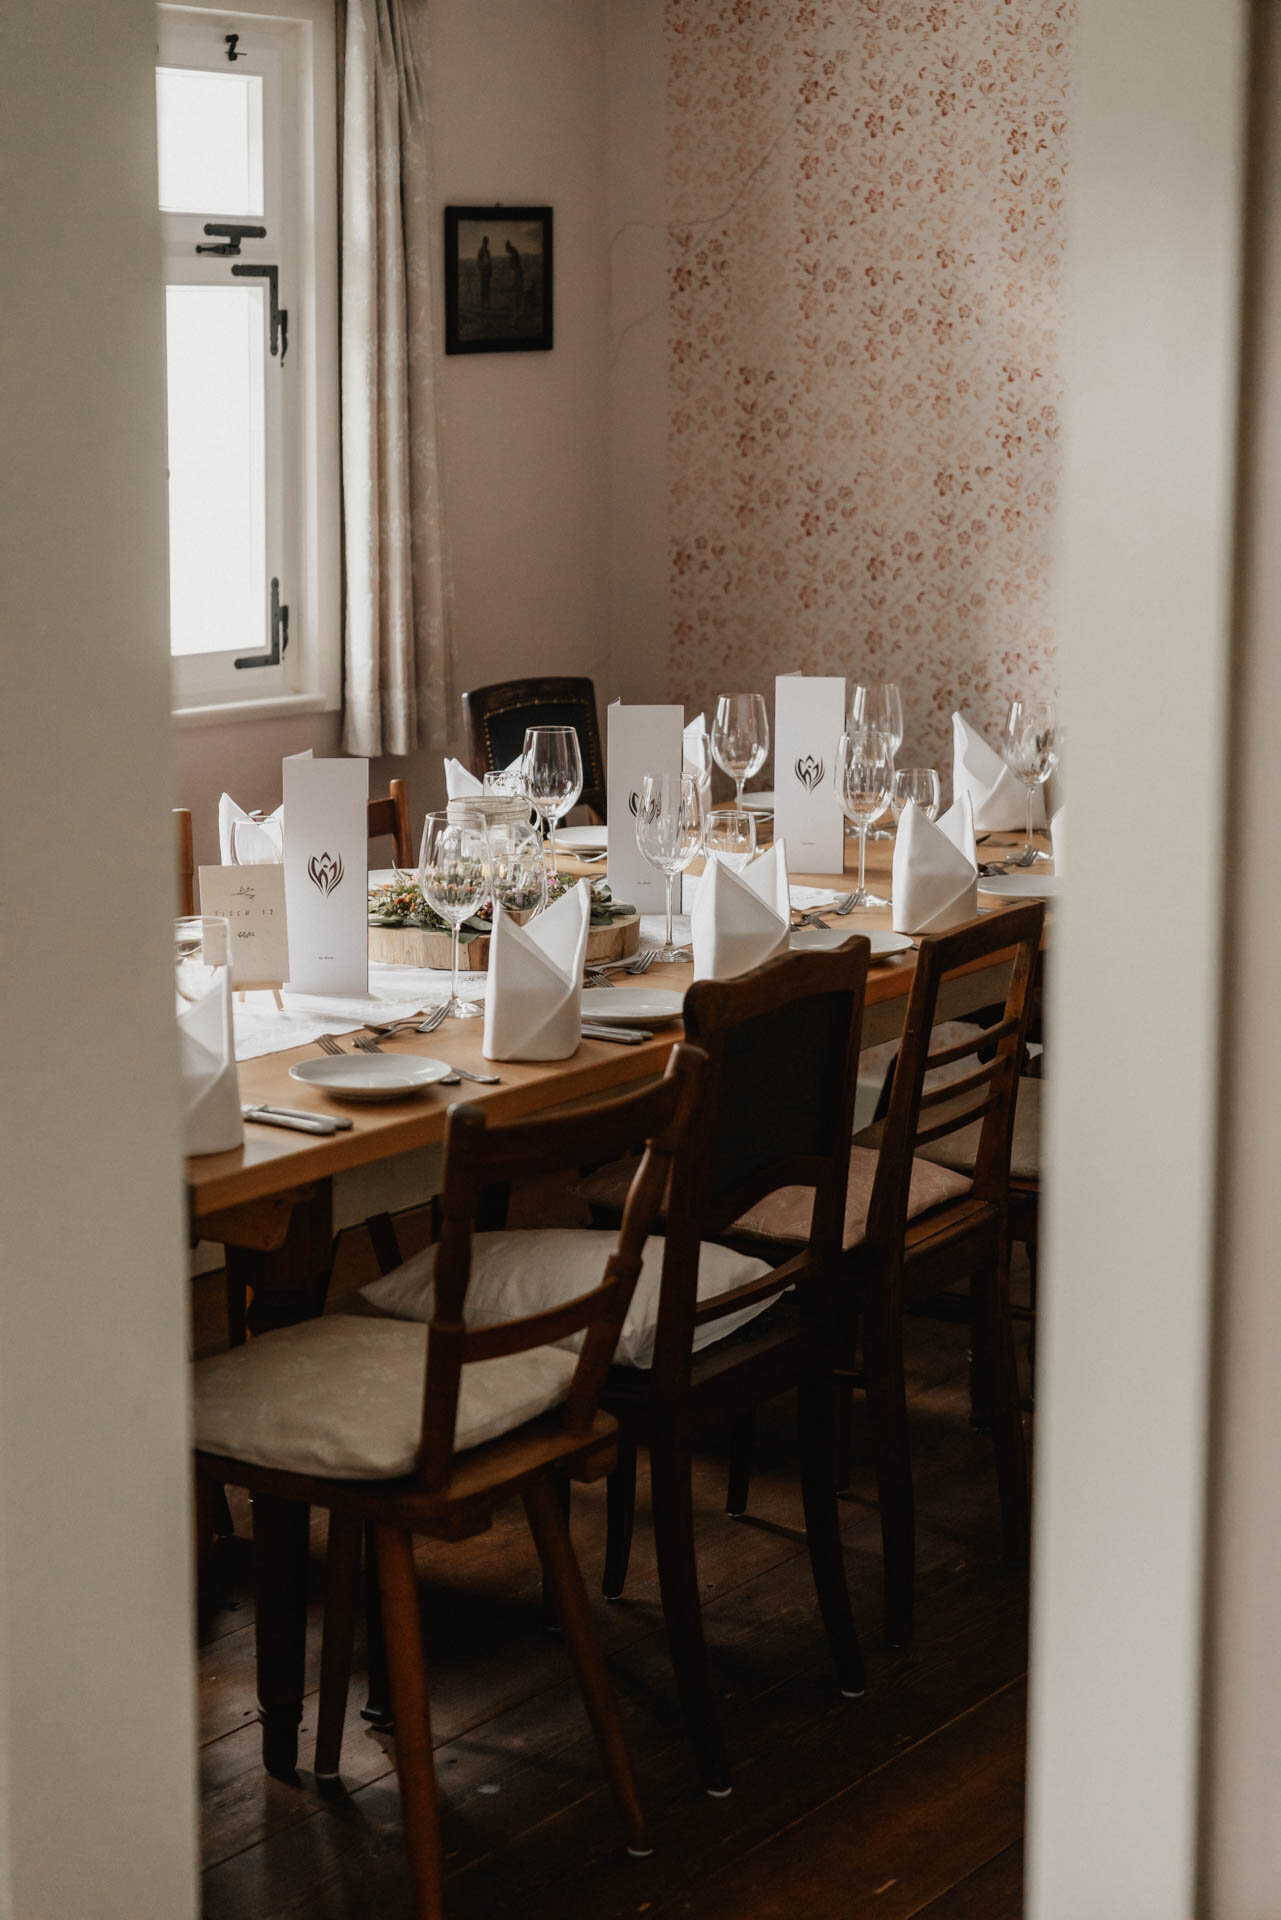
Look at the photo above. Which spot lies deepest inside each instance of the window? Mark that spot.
(246, 169)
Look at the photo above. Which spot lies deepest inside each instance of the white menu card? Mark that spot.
(327, 874)
(809, 716)
(253, 900)
(641, 740)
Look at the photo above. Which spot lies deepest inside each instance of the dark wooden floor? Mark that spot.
(908, 1803)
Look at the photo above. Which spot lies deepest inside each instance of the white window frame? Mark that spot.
(288, 40)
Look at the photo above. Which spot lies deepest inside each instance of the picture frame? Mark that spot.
(498, 279)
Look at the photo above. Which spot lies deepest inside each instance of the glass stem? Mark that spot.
(551, 823)
(862, 858)
(1030, 792)
(669, 942)
(739, 784)
(453, 997)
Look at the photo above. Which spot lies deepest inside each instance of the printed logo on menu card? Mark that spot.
(634, 804)
(326, 872)
(809, 772)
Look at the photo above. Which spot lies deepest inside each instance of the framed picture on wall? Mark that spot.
(498, 279)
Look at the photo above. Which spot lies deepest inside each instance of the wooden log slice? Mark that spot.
(416, 947)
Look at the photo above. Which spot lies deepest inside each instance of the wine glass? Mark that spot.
(729, 835)
(257, 841)
(697, 756)
(740, 737)
(920, 784)
(864, 774)
(454, 874)
(552, 770)
(669, 832)
(878, 704)
(518, 872)
(1030, 744)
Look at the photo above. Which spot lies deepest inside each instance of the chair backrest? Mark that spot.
(186, 863)
(391, 816)
(495, 719)
(987, 1093)
(776, 1110)
(477, 1156)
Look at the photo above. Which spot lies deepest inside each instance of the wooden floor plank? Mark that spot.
(992, 1892)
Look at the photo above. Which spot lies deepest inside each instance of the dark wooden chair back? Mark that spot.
(495, 719)
(776, 1110)
(390, 815)
(477, 1156)
(186, 862)
(987, 1093)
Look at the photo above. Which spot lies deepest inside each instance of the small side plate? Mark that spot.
(589, 839)
(369, 1076)
(820, 939)
(632, 1006)
(1025, 883)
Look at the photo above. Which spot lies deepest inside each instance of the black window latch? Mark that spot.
(232, 235)
(279, 336)
(279, 636)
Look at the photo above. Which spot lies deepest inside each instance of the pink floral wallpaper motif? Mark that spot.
(865, 257)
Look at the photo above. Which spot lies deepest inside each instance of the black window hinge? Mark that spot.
(279, 636)
(232, 236)
(279, 336)
(232, 40)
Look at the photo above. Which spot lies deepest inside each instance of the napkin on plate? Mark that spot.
(741, 920)
(462, 784)
(999, 799)
(207, 1062)
(935, 883)
(1056, 838)
(256, 848)
(533, 1007)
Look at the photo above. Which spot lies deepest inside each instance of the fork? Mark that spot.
(328, 1043)
(386, 1030)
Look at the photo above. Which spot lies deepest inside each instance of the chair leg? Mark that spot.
(742, 1443)
(843, 1462)
(564, 1580)
(558, 1480)
(620, 1516)
(994, 1329)
(817, 1410)
(887, 1417)
(408, 1670)
(280, 1569)
(1031, 1330)
(669, 1459)
(342, 1572)
(377, 1707)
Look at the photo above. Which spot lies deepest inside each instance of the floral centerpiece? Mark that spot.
(401, 904)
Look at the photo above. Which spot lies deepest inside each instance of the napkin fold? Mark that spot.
(533, 1007)
(256, 847)
(999, 800)
(207, 1062)
(935, 880)
(462, 784)
(1056, 838)
(741, 920)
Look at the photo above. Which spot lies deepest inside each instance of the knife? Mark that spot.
(293, 1117)
(625, 1036)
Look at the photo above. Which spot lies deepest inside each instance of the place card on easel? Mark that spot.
(809, 713)
(327, 874)
(252, 900)
(641, 740)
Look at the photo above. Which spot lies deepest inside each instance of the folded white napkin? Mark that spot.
(462, 784)
(741, 920)
(935, 883)
(533, 1009)
(999, 799)
(1056, 838)
(255, 848)
(207, 1062)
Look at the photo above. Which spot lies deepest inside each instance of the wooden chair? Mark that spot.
(776, 1112)
(390, 815)
(897, 1258)
(384, 1421)
(495, 719)
(186, 863)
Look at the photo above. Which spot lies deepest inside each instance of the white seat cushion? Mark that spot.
(342, 1397)
(957, 1150)
(513, 1274)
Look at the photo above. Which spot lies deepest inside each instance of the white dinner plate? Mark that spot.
(369, 1076)
(819, 939)
(1024, 883)
(582, 839)
(632, 1006)
(760, 802)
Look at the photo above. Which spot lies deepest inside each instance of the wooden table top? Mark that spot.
(273, 1161)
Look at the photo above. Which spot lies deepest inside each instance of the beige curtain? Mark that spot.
(397, 694)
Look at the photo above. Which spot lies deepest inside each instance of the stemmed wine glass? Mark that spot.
(669, 832)
(697, 759)
(552, 771)
(864, 773)
(878, 704)
(919, 784)
(740, 737)
(454, 874)
(1030, 744)
(729, 835)
(518, 872)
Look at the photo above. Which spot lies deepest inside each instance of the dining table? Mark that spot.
(270, 1202)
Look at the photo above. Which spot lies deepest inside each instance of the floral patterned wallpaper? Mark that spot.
(866, 207)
